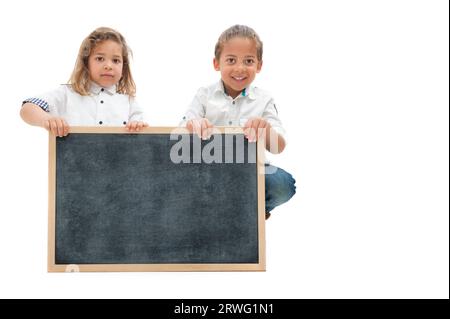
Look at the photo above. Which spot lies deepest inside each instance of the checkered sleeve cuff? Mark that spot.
(39, 102)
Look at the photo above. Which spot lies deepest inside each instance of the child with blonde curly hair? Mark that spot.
(101, 90)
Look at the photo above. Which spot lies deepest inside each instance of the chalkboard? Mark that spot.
(157, 200)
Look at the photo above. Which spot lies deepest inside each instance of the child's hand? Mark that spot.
(57, 126)
(135, 126)
(202, 127)
(255, 127)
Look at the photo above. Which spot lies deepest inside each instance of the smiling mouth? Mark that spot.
(239, 78)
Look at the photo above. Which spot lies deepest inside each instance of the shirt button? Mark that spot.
(102, 89)
(124, 123)
(100, 122)
(230, 122)
(101, 102)
(234, 102)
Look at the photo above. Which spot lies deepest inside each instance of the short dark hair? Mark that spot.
(242, 31)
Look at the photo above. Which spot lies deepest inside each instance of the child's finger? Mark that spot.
(189, 126)
(255, 123)
(250, 134)
(262, 129)
(129, 126)
(204, 129)
(60, 127)
(209, 129)
(53, 127)
(209, 132)
(140, 126)
(252, 131)
(255, 126)
(197, 128)
(65, 128)
(247, 127)
(247, 132)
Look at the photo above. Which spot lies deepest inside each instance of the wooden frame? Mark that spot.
(53, 267)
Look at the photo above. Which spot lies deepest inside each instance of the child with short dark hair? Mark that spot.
(234, 102)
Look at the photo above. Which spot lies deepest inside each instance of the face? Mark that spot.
(238, 64)
(105, 63)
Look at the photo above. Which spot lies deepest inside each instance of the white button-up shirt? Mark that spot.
(104, 106)
(221, 109)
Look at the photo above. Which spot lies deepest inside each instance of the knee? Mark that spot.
(288, 188)
(281, 187)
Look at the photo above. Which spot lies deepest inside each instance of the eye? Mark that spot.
(117, 61)
(99, 58)
(249, 61)
(230, 60)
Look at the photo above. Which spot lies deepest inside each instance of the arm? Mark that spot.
(274, 132)
(34, 115)
(276, 144)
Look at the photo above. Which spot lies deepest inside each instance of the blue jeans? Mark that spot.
(280, 187)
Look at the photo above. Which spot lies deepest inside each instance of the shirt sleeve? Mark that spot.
(196, 109)
(271, 115)
(136, 111)
(52, 102)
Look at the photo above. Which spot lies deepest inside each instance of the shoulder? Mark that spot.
(67, 90)
(208, 90)
(205, 93)
(259, 92)
(59, 93)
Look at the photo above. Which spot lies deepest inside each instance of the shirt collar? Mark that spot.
(96, 89)
(247, 92)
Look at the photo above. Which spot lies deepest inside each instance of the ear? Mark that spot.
(258, 68)
(216, 64)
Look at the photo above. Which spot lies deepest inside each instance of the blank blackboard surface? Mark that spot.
(121, 203)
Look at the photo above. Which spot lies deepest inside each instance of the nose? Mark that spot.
(241, 66)
(107, 66)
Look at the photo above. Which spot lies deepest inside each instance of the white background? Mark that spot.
(362, 88)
